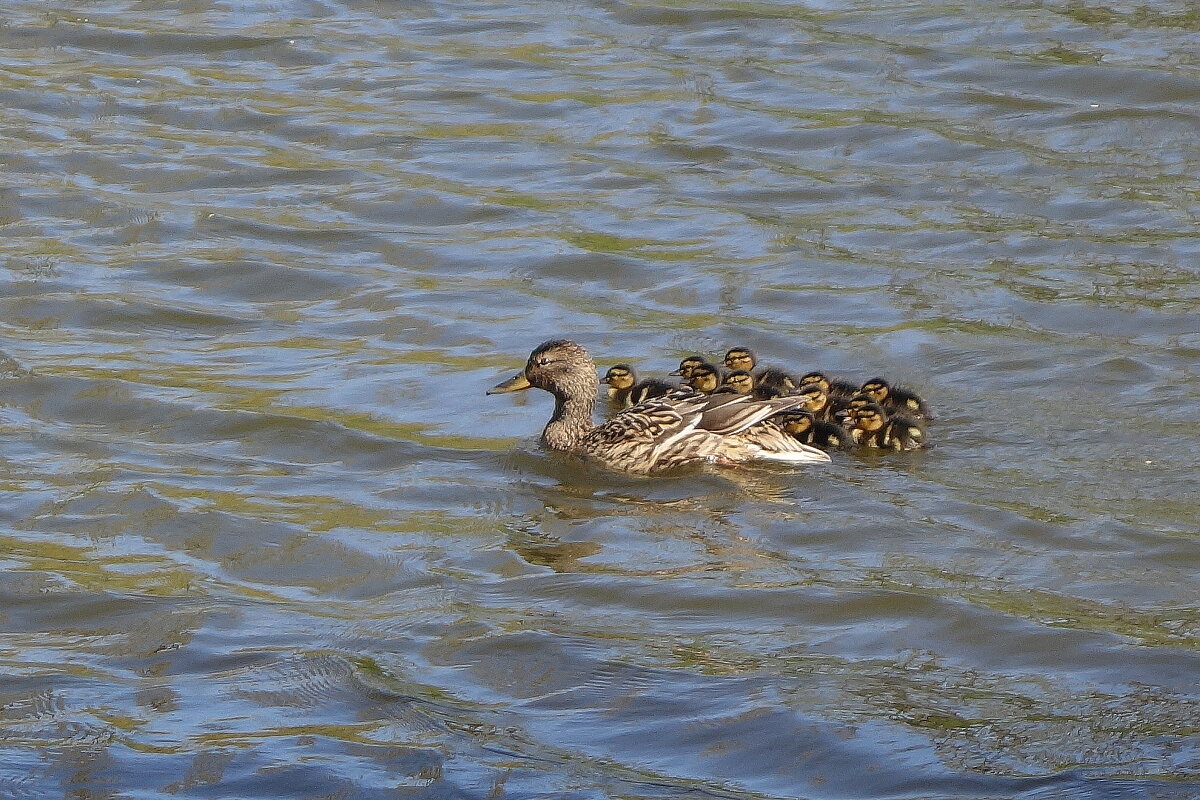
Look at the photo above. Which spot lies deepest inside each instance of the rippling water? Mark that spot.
(263, 535)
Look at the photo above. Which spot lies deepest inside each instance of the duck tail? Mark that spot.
(804, 455)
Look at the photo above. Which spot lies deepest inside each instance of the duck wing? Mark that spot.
(732, 413)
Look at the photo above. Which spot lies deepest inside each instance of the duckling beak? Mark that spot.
(513, 384)
(676, 372)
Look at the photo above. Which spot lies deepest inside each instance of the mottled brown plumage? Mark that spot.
(680, 429)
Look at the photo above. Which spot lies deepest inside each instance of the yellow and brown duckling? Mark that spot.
(870, 426)
(739, 381)
(739, 359)
(704, 379)
(767, 383)
(625, 390)
(896, 399)
(678, 430)
(834, 387)
(855, 402)
(817, 402)
(620, 379)
(825, 435)
(688, 365)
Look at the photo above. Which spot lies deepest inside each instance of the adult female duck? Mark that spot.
(679, 430)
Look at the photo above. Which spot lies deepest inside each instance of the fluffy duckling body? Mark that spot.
(870, 426)
(772, 382)
(681, 429)
(649, 389)
(825, 435)
(896, 399)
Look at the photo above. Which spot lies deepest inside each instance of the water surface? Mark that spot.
(264, 536)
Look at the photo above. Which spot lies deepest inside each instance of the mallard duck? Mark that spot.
(739, 381)
(664, 433)
(625, 390)
(704, 378)
(834, 387)
(895, 398)
(688, 365)
(870, 426)
(802, 426)
(739, 359)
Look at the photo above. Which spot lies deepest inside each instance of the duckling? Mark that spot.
(620, 379)
(739, 359)
(849, 406)
(704, 378)
(688, 365)
(895, 398)
(834, 387)
(815, 401)
(805, 429)
(740, 381)
(870, 426)
(623, 390)
(772, 382)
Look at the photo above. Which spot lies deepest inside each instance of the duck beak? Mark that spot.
(513, 384)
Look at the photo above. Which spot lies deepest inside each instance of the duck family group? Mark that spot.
(833, 414)
(723, 417)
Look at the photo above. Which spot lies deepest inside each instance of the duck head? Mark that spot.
(558, 366)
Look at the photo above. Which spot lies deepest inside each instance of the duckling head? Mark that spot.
(877, 388)
(814, 397)
(818, 378)
(740, 381)
(620, 378)
(867, 418)
(797, 423)
(739, 359)
(705, 379)
(688, 366)
(859, 400)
